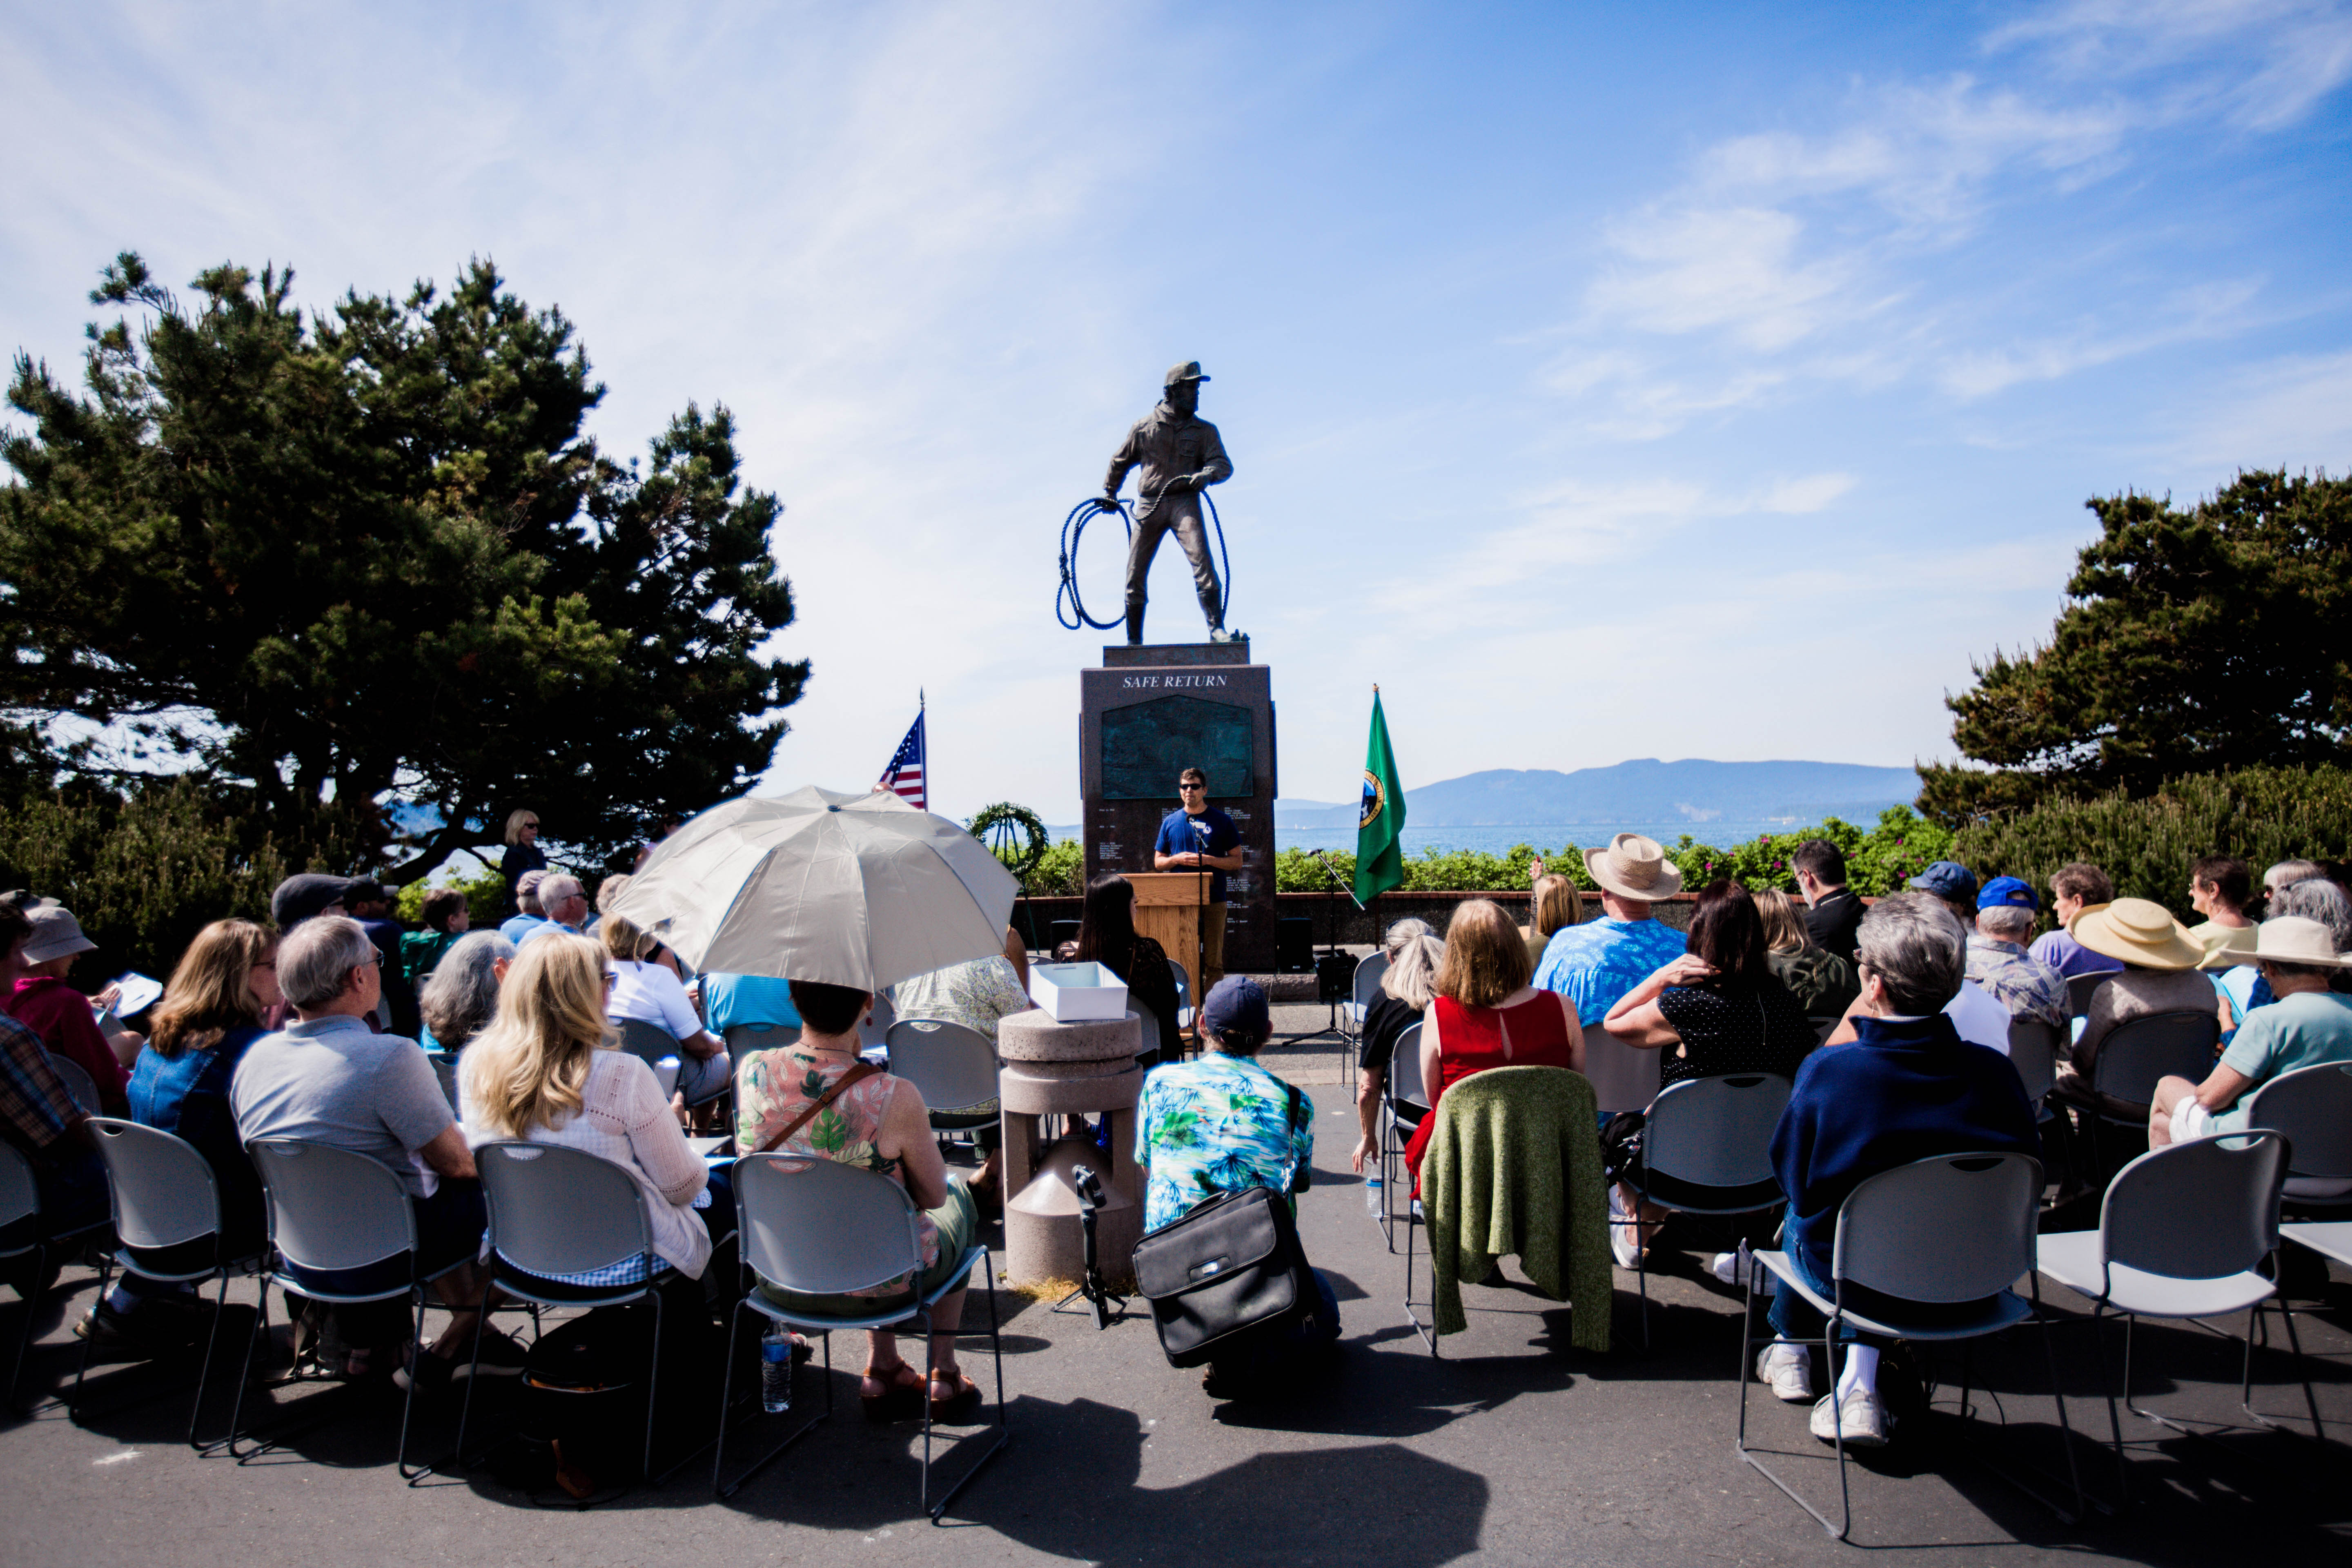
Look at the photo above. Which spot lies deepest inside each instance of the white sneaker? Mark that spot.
(1624, 1245)
(1731, 1268)
(1864, 1416)
(1787, 1370)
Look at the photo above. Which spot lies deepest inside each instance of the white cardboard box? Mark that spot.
(1072, 993)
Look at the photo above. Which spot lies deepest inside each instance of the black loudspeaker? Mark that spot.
(1294, 945)
(1335, 978)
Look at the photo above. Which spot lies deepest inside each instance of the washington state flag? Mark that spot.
(1380, 826)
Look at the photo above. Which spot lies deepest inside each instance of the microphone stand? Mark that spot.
(1332, 946)
(1200, 826)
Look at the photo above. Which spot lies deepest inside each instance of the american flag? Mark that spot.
(904, 777)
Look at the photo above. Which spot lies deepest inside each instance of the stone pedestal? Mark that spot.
(1068, 1069)
(1145, 716)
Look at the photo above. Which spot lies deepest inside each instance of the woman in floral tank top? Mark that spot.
(881, 1125)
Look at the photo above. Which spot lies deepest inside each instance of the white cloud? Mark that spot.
(2207, 310)
(2292, 412)
(1811, 493)
(2302, 49)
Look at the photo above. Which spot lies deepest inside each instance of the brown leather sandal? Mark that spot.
(899, 1400)
(959, 1406)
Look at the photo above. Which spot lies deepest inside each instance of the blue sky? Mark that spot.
(1603, 382)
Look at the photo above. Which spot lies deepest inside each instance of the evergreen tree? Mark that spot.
(2191, 641)
(368, 554)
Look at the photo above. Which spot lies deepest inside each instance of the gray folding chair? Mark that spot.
(555, 1212)
(2182, 1230)
(1367, 986)
(1707, 1148)
(1149, 1030)
(167, 1219)
(743, 1040)
(28, 1263)
(646, 1042)
(1183, 993)
(874, 1027)
(2136, 1055)
(954, 1067)
(2312, 1109)
(821, 1228)
(2034, 1052)
(1940, 1232)
(2079, 988)
(335, 1209)
(1404, 1102)
(78, 1082)
(445, 1071)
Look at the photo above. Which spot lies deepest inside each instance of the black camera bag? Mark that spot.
(1231, 1267)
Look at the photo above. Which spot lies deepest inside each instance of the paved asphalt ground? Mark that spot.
(1512, 1449)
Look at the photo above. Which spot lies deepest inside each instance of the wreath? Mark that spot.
(1000, 827)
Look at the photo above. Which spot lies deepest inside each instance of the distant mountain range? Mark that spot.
(1646, 790)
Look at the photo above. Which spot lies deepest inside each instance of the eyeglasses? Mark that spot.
(611, 978)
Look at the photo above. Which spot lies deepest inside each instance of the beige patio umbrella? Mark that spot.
(850, 889)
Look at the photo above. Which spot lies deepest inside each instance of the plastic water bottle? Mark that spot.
(1372, 1196)
(776, 1369)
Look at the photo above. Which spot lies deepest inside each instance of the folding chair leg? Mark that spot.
(416, 1353)
(73, 1404)
(1004, 1427)
(245, 1377)
(1747, 1455)
(203, 1377)
(2246, 1381)
(32, 1291)
(474, 1376)
(1428, 1335)
(721, 1488)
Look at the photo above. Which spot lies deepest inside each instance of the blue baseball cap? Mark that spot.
(2011, 890)
(1948, 881)
(1237, 1003)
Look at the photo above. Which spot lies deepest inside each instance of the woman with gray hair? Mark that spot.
(461, 996)
(2243, 987)
(1406, 987)
(1908, 1089)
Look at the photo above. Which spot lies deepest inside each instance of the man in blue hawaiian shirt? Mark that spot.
(1595, 963)
(1222, 1123)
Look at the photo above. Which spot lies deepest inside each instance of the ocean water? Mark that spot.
(1498, 840)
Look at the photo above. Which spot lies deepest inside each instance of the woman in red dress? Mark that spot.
(1485, 1014)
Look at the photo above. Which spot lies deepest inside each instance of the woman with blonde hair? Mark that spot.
(211, 1012)
(1554, 904)
(544, 1071)
(523, 854)
(1824, 983)
(648, 992)
(1406, 987)
(1485, 1014)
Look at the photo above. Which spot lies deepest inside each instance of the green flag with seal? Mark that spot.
(1380, 826)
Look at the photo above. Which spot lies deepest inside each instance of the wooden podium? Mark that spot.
(1168, 907)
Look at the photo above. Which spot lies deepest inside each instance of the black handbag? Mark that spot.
(1229, 1268)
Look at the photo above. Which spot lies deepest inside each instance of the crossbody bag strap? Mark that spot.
(857, 1074)
(1302, 1176)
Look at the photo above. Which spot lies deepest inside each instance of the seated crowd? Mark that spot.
(1894, 1021)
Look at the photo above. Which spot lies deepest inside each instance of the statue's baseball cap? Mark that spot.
(1189, 371)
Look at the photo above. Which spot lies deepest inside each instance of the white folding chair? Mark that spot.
(2312, 1109)
(78, 1082)
(554, 1212)
(818, 1227)
(1404, 1102)
(335, 1210)
(955, 1069)
(1940, 1232)
(167, 1219)
(1707, 1148)
(2182, 1231)
(28, 1262)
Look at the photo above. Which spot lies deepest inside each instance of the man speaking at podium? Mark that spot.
(1201, 835)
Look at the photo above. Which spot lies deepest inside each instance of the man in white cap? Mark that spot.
(58, 1012)
(1181, 455)
(2309, 1025)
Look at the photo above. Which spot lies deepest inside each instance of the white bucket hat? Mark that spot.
(55, 933)
(2292, 939)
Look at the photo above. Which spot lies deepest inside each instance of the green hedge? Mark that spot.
(2260, 814)
(484, 894)
(142, 875)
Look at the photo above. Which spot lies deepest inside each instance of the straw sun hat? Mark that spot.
(2292, 939)
(2140, 931)
(1632, 867)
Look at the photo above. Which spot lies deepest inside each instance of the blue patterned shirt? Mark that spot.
(1216, 1124)
(1594, 964)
